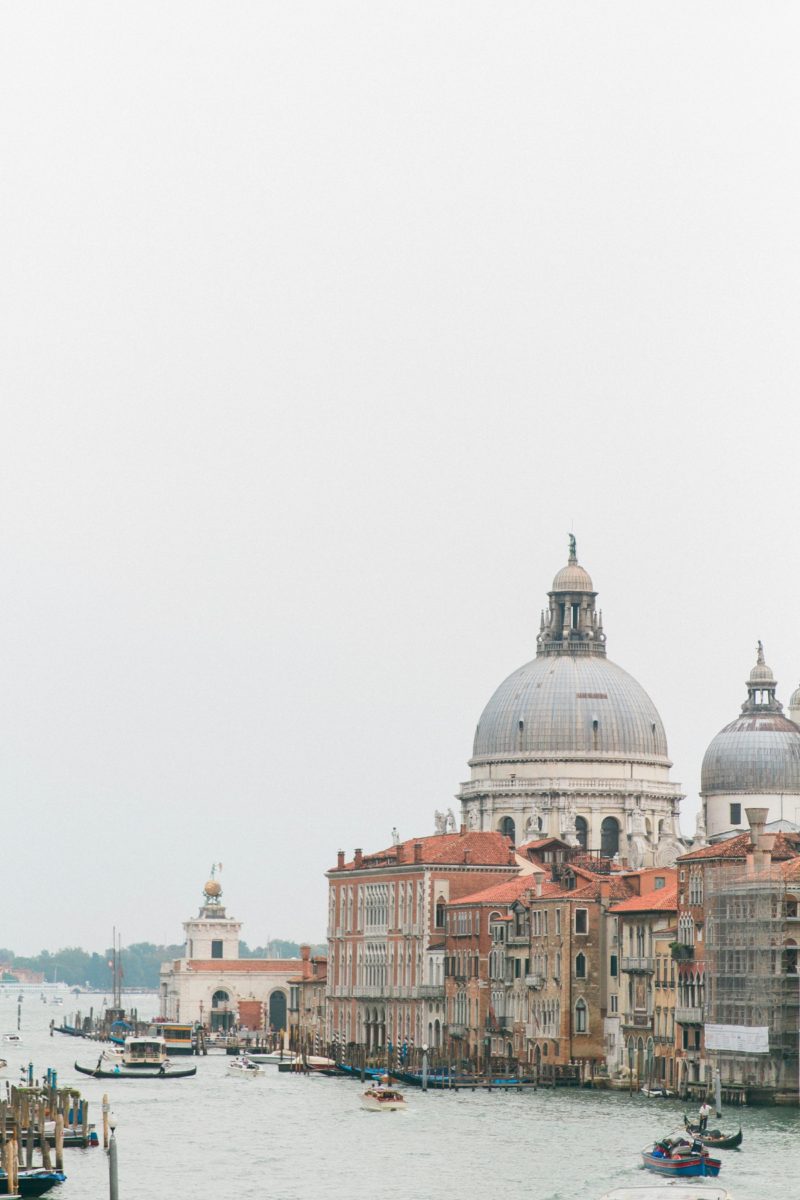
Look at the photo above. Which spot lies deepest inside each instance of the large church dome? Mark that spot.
(759, 752)
(568, 706)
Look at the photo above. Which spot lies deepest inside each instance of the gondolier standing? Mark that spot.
(705, 1112)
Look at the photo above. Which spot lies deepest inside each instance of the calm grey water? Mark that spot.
(290, 1138)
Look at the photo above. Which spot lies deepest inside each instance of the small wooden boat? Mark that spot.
(243, 1068)
(679, 1159)
(33, 1182)
(165, 1071)
(713, 1137)
(382, 1098)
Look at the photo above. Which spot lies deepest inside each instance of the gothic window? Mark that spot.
(580, 966)
(440, 911)
(581, 1022)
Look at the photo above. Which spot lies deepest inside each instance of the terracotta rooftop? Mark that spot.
(505, 892)
(786, 846)
(661, 900)
(479, 849)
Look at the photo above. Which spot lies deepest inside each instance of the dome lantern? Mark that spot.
(571, 624)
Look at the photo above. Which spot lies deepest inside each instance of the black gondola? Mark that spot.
(139, 1073)
(714, 1137)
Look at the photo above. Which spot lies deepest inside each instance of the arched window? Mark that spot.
(508, 828)
(219, 998)
(582, 831)
(440, 911)
(609, 837)
(580, 966)
(581, 1021)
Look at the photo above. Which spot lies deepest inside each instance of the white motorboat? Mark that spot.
(243, 1068)
(13, 1039)
(381, 1098)
(272, 1058)
(677, 1189)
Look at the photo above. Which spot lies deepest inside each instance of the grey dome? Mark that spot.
(549, 707)
(794, 699)
(757, 753)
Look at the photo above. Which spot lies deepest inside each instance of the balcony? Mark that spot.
(535, 981)
(431, 991)
(457, 1031)
(637, 964)
(637, 1020)
(689, 1014)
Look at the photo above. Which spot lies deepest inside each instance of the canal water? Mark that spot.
(280, 1137)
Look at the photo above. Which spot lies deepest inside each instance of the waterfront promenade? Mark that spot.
(292, 1138)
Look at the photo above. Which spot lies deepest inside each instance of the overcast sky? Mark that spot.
(322, 324)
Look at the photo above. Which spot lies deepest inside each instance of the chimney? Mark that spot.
(758, 819)
(401, 853)
(467, 855)
(538, 886)
(358, 858)
(305, 952)
(605, 891)
(462, 830)
(340, 861)
(417, 852)
(512, 857)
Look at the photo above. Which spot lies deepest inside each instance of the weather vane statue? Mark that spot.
(573, 548)
(761, 652)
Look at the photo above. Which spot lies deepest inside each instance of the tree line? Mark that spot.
(141, 963)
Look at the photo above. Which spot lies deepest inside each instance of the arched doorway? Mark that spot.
(277, 1010)
(222, 1015)
(609, 837)
(508, 828)
(582, 831)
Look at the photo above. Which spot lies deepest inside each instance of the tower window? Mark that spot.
(216, 949)
(736, 814)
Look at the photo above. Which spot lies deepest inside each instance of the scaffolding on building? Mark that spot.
(751, 972)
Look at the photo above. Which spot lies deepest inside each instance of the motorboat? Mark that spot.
(656, 1093)
(13, 1039)
(272, 1058)
(676, 1157)
(243, 1068)
(712, 1137)
(668, 1191)
(382, 1098)
(33, 1182)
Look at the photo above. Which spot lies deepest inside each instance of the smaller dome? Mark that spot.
(761, 673)
(794, 699)
(572, 578)
(212, 888)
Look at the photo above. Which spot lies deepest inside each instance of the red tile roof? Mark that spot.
(539, 844)
(258, 966)
(786, 846)
(484, 849)
(662, 900)
(505, 892)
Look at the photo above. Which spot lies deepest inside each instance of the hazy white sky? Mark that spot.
(322, 323)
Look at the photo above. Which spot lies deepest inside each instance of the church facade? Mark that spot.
(571, 746)
(212, 986)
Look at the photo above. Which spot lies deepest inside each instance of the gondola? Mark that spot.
(140, 1073)
(713, 1137)
(679, 1159)
(34, 1182)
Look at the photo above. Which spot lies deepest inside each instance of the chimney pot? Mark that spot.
(512, 856)
(340, 861)
(417, 852)
(358, 857)
(462, 830)
(467, 855)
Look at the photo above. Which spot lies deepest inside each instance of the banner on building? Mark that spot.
(742, 1039)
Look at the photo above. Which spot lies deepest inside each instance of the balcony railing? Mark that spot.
(475, 787)
(637, 964)
(431, 991)
(535, 981)
(457, 1031)
(689, 1014)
